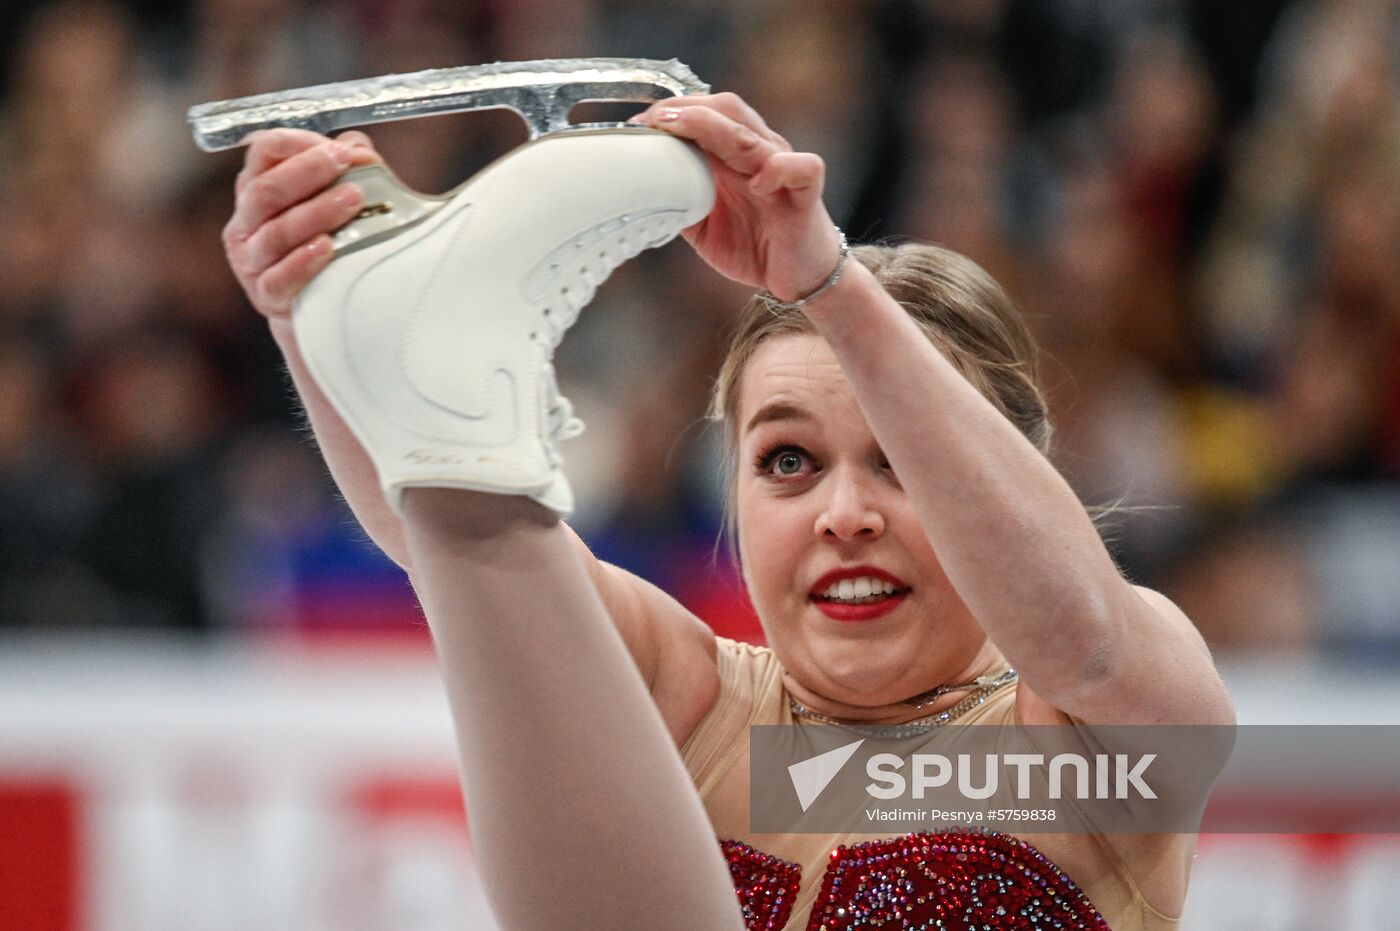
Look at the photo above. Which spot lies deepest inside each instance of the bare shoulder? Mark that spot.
(1159, 671)
(1192, 657)
(1172, 616)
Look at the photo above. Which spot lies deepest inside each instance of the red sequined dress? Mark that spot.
(951, 880)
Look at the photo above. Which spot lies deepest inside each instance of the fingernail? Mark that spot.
(318, 245)
(669, 115)
(343, 153)
(348, 195)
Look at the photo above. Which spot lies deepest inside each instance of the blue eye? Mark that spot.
(788, 463)
(784, 462)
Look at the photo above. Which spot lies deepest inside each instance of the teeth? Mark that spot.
(859, 590)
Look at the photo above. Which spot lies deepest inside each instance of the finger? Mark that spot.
(801, 174)
(356, 138)
(271, 147)
(731, 105)
(738, 109)
(734, 144)
(281, 283)
(289, 183)
(324, 213)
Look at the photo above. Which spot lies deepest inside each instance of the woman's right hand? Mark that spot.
(286, 206)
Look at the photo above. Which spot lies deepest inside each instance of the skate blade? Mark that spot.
(542, 92)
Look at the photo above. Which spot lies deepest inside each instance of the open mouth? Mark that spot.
(860, 591)
(858, 594)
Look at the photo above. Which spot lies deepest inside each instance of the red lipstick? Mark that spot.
(867, 611)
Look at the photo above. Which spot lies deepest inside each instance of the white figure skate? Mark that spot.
(433, 329)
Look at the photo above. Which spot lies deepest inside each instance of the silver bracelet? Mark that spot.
(827, 285)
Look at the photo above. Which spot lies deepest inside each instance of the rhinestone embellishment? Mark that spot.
(766, 885)
(964, 880)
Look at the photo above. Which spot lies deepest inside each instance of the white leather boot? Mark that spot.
(433, 329)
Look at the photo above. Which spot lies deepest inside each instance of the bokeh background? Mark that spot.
(1195, 203)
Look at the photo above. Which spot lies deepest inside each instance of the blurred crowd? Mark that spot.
(1195, 202)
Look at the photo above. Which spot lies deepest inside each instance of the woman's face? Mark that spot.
(819, 511)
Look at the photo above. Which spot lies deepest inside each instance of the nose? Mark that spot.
(850, 510)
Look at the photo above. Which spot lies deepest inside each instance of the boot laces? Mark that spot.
(560, 424)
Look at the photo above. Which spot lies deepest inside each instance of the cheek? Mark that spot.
(770, 543)
(753, 555)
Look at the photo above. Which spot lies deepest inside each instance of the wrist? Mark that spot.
(840, 306)
(286, 339)
(281, 330)
(801, 300)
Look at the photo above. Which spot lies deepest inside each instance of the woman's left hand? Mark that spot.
(769, 228)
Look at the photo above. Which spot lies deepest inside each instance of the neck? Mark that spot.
(987, 661)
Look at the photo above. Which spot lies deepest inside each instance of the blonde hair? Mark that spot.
(961, 309)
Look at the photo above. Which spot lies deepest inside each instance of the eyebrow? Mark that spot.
(778, 410)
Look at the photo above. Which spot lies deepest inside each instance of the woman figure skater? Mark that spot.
(888, 467)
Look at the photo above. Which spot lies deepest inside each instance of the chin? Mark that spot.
(870, 676)
(862, 694)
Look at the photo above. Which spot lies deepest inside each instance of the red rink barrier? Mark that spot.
(40, 855)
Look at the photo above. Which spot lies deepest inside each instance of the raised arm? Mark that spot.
(1011, 535)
